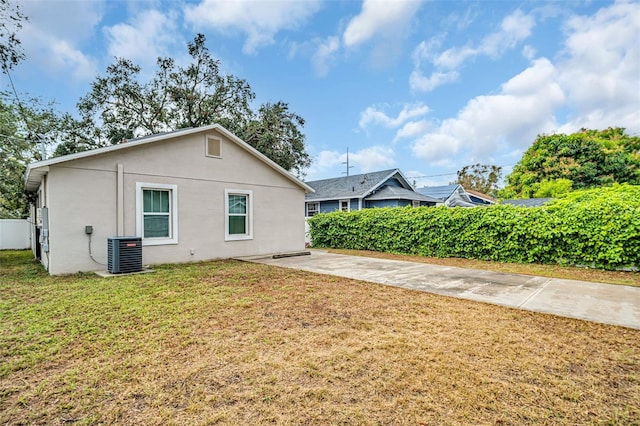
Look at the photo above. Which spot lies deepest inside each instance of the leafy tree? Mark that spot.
(588, 158)
(10, 23)
(276, 133)
(553, 188)
(119, 107)
(23, 130)
(480, 177)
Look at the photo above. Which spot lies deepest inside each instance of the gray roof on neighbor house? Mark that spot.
(527, 202)
(397, 193)
(441, 192)
(354, 186)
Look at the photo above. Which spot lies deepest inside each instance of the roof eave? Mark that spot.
(31, 185)
(379, 184)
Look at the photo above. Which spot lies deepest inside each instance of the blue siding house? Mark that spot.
(387, 188)
(454, 195)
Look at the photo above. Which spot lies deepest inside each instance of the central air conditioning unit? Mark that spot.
(124, 254)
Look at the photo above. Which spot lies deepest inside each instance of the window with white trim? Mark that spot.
(157, 213)
(238, 218)
(313, 209)
(344, 205)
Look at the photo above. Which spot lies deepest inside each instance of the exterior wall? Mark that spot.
(333, 205)
(386, 203)
(329, 206)
(393, 182)
(15, 234)
(478, 200)
(85, 192)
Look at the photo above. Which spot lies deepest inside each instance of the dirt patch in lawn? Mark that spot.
(551, 271)
(229, 342)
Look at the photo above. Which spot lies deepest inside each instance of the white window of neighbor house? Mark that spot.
(213, 146)
(238, 218)
(313, 209)
(157, 213)
(344, 205)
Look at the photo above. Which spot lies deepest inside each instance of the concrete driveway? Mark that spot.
(604, 303)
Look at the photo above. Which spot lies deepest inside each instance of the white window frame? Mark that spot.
(206, 146)
(249, 234)
(348, 205)
(173, 212)
(315, 203)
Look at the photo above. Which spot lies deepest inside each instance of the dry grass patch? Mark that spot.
(236, 343)
(551, 271)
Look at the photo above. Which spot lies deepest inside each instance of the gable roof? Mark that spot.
(354, 186)
(481, 195)
(35, 171)
(442, 192)
(399, 193)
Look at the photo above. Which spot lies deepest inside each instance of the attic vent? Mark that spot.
(213, 147)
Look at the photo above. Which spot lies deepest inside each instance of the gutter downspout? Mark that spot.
(120, 201)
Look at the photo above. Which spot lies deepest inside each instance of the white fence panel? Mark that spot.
(307, 234)
(14, 234)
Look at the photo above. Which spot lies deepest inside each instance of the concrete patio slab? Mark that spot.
(604, 303)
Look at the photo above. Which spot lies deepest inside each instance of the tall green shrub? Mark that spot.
(597, 227)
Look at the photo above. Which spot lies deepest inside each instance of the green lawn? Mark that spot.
(228, 342)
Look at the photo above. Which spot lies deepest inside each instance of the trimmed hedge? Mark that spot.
(596, 227)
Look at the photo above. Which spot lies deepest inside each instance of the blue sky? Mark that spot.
(425, 86)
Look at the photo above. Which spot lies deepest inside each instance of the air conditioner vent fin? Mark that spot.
(124, 254)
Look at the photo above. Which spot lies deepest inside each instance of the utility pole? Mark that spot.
(43, 151)
(347, 162)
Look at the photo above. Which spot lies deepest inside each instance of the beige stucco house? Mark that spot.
(191, 195)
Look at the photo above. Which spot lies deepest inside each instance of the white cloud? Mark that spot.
(601, 68)
(412, 129)
(372, 159)
(595, 81)
(365, 160)
(515, 28)
(529, 52)
(524, 108)
(55, 33)
(390, 18)
(419, 82)
(426, 50)
(325, 55)
(65, 57)
(422, 179)
(150, 35)
(372, 115)
(260, 21)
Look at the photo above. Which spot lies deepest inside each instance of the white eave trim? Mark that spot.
(396, 171)
(34, 168)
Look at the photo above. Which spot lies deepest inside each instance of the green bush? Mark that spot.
(596, 227)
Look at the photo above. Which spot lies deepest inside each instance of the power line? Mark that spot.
(22, 114)
(448, 174)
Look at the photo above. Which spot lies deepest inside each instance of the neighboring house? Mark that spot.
(455, 195)
(527, 202)
(479, 198)
(387, 188)
(192, 194)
